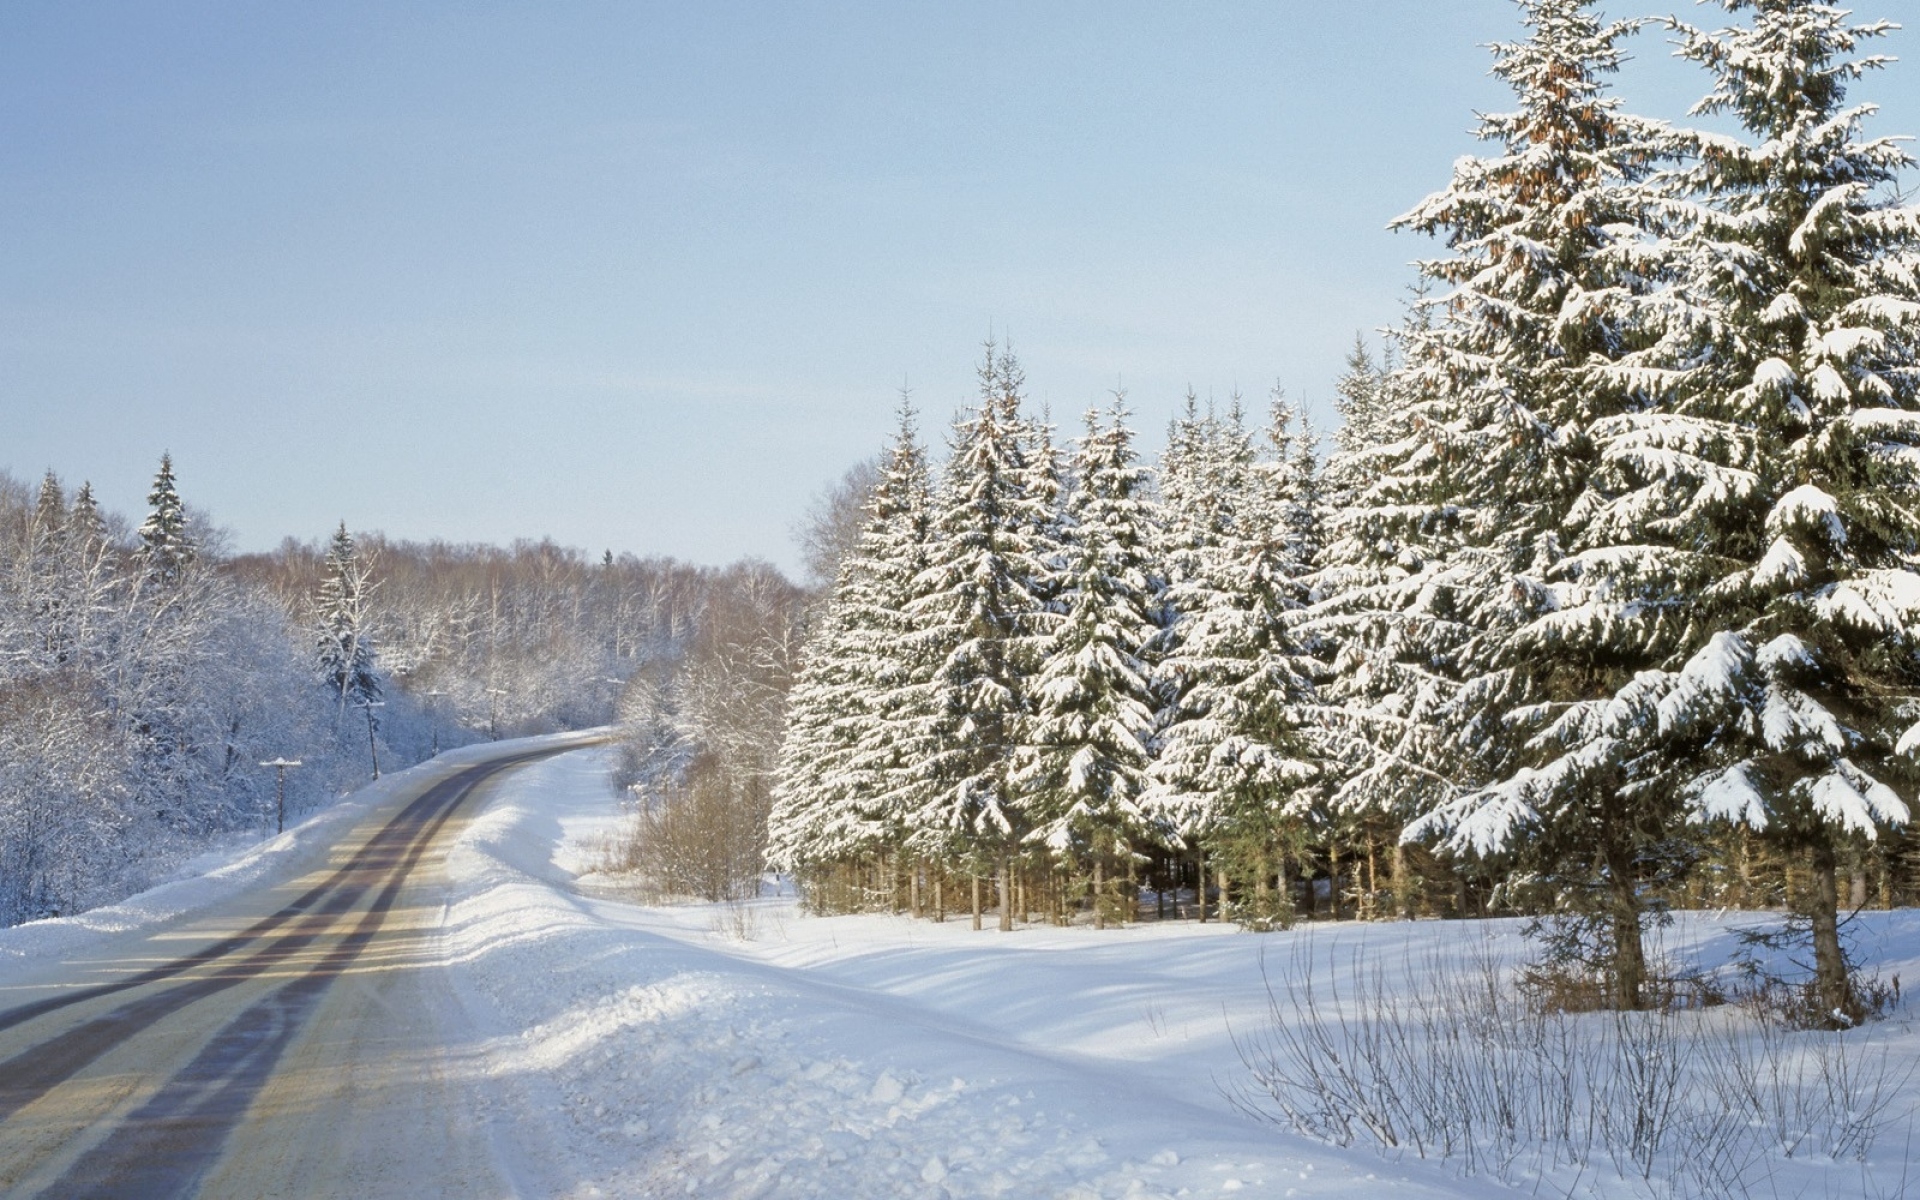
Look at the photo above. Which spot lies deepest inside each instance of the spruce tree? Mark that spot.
(1752, 534)
(1501, 369)
(978, 623)
(345, 640)
(1083, 767)
(1237, 759)
(166, 542)
(841, 763)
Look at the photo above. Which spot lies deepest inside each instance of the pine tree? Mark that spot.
(1752, 536)
(86, 525)
(1472, 506)
(1237, 762)
(841, 761)
(1364, 398)
(979, 622)
(1083, 768)
(345, 640)
(48, 561)
(166, 542)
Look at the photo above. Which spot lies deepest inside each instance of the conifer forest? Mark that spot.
(1601, 599)
(1497, 772)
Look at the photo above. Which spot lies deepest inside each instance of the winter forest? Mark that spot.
(148, 674)
(1601, 601)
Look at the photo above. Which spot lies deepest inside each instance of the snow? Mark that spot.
(1712, 675)
(1854, 800)
(1807, 507)
(747, 1050)
(612, 1049)
(1781, 566)
(227, 871)
(1732, 796)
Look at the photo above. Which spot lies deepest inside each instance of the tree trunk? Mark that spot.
(1857, 886)
(976, 904)
(1402, 881)
(1200, 882)
(1099, 894)
(940, 898)
(1222, 886)
(1373, 878)
(1829, 961)
(1629, 956)
(913, 889)
(1333, 876)
(1006, 896)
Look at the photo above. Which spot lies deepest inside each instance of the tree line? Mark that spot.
(1606, 598)
(146, 673)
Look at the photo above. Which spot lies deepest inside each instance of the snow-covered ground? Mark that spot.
(612, 1049)
(718, 1051)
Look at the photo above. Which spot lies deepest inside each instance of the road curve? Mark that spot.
(286, 1043)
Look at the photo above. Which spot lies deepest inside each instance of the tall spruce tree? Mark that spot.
(1521, 311)
(1752, 534)
(166, 543)
(837, 791)
(980, 623)
(1236, 761)
(345, 641)
(1083, 767)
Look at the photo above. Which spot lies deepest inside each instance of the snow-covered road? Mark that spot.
(514, 1029)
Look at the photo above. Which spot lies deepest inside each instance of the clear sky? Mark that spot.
(645, 276)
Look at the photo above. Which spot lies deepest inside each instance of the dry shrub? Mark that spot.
(1456, 1063)
(703, 837)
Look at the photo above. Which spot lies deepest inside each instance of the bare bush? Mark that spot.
(703, 837)
(1471, 1073)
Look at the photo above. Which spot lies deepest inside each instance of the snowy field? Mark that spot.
(700, 1050)
(612, 1049)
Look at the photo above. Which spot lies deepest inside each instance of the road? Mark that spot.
(288, 1042)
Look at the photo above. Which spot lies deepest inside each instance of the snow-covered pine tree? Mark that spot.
(979, 623)
(345, 640)
(1473, 504)
(47, 563)
(166, 542)
(1365, 400)
(840, 764)
(1082, 771)
(1752, 537)
(1236, 758)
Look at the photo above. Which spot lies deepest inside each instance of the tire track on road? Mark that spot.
(394, 850)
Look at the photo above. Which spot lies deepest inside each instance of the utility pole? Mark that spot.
(493, 712)
(280, 791)
(373, 747)
(433, 717)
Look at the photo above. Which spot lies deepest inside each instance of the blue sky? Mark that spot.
(646, 276)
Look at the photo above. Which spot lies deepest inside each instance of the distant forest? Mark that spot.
(146, 672)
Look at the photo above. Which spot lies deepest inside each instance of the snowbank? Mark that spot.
(219, 875)
(750, 1051)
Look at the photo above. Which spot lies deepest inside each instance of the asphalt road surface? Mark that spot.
(286, 1043)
